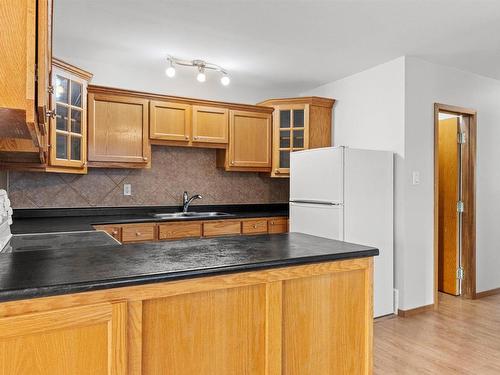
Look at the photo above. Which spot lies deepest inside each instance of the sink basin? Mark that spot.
(190, 215)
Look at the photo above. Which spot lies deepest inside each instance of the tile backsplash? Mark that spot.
(174, 169)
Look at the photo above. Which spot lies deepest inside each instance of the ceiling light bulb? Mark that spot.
(225, 80)
(170, 72)
(201, 77)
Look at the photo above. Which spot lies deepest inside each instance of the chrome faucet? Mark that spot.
(186, 201)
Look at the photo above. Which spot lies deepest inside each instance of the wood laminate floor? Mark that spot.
(462, 337)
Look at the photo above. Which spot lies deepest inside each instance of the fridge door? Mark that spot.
(323, 220)
(317, 175)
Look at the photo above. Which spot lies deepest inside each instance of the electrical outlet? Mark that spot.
(127, 189)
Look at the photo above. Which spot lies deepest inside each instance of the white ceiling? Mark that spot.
(273, 46)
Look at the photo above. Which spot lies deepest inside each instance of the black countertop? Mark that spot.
(81, 219)
(52, 272)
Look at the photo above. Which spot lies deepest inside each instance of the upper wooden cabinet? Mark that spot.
(24, 55)
(181, 124)
(249, 143)
(118, 130)
(68, 128)
(170, 121)
(210, 124)
(298, 124)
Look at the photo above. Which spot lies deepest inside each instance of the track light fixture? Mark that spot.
(200, 65)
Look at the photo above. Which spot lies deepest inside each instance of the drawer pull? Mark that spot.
(138, 233)
(115, 232)
(272, 222)
(255, 226)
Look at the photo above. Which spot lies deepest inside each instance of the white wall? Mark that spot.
(391, 107)
(427, 83)
(369, 113)
(124, 75)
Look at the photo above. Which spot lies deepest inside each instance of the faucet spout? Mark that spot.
(186, 201)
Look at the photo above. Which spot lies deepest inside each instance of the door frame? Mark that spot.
(469, 215)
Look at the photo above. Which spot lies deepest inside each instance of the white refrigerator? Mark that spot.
(347, 194)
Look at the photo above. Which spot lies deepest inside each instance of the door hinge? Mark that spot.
(461, 138)
(460, 273)
(460, 206)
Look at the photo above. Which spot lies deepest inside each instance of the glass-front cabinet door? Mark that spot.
(68, 136)
(291, 128)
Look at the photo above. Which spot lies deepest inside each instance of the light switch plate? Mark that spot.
(127, 189)
(416, 178)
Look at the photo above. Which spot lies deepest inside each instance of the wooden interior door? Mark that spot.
(170, 121)
(250, 135)
(85, 340)
(448, 256)
(118, 129)
(210, 124)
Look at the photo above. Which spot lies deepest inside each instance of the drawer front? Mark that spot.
(179, 230)
(254, 226)
(221, 228)
(138, 233)
(279, 225)
(113, 230)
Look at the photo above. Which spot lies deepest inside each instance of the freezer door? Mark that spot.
(317, 175)
(318, 220)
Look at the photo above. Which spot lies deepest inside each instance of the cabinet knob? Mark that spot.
(232, 162)
(255, 226)
(145, 158)
(186, 137)
(272, 222)
(51, 114)
(138, 233)
(115, 232)
(277, 171)
(195, 137)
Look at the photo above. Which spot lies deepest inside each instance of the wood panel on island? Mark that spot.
(143, 232)
(268, 322)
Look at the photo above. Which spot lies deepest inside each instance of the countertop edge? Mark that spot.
(64, 289)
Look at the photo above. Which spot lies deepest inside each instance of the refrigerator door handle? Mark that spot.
(317, 202)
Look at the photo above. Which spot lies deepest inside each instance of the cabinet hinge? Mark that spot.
(461, 138)
(460, 206)
(460, 273)
(50, 89)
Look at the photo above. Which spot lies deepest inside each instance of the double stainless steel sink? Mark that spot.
(190, 215)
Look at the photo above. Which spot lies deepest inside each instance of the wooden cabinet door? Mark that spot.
(210, 124)
(44, 62)
(327, 323)
(84, 340)
(170, 121)
(207, 333)
(118, 130)
(250, 139)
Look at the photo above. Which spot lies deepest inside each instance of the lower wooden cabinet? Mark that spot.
(88, 339)
(138, 232)
(171, 231)
(298, 320)
(143, 232)
(221, 228)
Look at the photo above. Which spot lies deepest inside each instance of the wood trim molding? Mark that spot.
(177, 99)
(487, 293)
(454, 109)
(415, 311)
(72, 69)
(311, 100)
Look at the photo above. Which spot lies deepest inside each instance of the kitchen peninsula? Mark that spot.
(265, 304)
